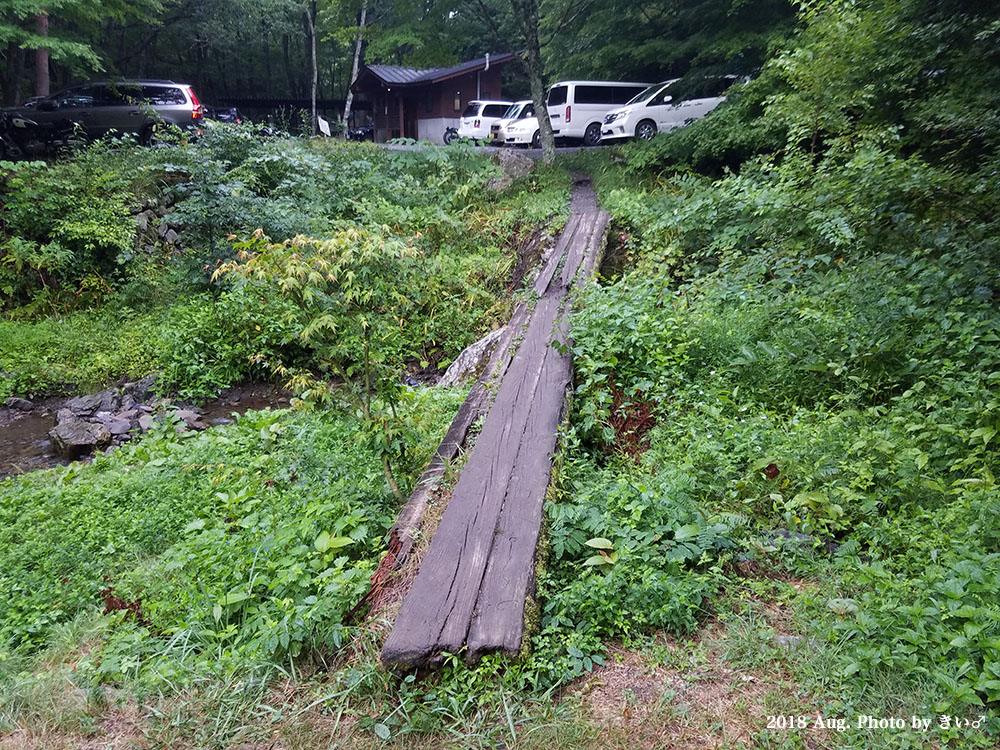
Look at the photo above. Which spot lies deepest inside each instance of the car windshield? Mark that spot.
(647, 94)
(512, 111)
(643, 95)
(472, 110)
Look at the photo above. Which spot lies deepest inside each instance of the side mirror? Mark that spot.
(48, 105)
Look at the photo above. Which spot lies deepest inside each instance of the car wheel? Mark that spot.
(645, 130)
(536, 140)
(148, 135)
(592, 135)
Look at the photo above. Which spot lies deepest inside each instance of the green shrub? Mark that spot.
(61, 224)
(816, 337)
(210, 343)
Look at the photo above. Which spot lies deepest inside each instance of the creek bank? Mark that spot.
(54, 431)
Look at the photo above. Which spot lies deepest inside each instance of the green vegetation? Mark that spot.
(776, 494)
(797, 375)
(259, 537)
(242, 552)
(62, 258)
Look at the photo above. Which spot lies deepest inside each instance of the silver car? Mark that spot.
(96, 109)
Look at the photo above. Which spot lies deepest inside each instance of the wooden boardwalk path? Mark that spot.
(474, 580)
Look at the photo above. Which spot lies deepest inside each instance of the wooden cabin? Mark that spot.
(420, 104)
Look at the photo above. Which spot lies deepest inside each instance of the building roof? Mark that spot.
(398, 75)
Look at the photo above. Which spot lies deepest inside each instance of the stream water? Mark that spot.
(24, 436)
(24, 442)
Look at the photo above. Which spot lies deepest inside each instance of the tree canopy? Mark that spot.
(232, 48)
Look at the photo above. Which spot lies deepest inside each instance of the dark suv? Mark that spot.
(102, 107)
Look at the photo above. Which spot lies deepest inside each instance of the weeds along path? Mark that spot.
(475, 577)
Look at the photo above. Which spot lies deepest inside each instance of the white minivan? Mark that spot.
(479, 116)
(665, 106)
(577, 108)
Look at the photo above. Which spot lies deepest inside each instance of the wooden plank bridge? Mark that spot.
(478, 572)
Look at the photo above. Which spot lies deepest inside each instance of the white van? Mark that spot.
(665, 106)
(479, 116)
(518, 111)
(577, 108)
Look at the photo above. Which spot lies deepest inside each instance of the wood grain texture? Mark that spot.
(474, 579)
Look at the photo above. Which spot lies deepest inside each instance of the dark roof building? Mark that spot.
(421, 104)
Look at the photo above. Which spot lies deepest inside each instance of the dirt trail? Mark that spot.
(477, 574)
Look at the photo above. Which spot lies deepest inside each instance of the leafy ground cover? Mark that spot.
(209, 554)
(271, 512)
(776, 496)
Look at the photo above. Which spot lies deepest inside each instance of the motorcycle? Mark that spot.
(450, 134)
(23, 138)
(362, 133)
(9, 148)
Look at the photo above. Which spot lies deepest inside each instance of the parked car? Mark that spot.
(95, 109)
(479, 116)
(517, 111)
(577, 108)
(523, 132)
(665, 106)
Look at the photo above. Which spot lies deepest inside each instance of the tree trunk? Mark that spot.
(15, 72)
(266, 36)
(311, 27)
(526, 13)
(199, 67)
(393, 485)
(220, 66)
(287, 57)
(349, 97)
(42, 86)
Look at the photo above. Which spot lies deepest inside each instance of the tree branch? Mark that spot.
(567, 19)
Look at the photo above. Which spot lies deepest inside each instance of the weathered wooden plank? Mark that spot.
(409, 517)
(496, 367)
(436, 613)
(498, 623)
(474, 578)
